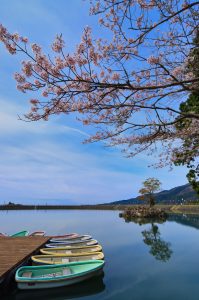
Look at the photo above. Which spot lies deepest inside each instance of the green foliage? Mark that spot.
(191, 105)
(150, 186)
(192, 177)
(190, 151)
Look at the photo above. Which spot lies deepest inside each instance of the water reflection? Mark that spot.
(185, 219)
(131, 272)
(160, 249)
(88, 288)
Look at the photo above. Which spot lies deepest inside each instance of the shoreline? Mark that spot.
(188, 209)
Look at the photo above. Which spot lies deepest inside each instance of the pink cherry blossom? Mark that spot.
(58, 44)
(142, 68)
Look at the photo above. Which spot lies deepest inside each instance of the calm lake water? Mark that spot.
(143, 262)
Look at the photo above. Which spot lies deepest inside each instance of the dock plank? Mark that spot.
(15, 250)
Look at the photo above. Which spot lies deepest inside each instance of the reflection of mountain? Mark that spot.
(87, 288)
(158, 247)
(189, 220)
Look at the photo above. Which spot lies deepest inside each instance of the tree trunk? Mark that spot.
(151, 201)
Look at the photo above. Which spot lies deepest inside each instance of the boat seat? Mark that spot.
(66, 271)
(65, 260)
(27, 274)
(51, 275)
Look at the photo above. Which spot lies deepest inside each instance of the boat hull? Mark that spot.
(52, 276)
(64, 250)
(2, 234)
(56, 284)
(69, 235)
(20, 233)
(37, 233)
(61, 259)
(74, 243)
(77, 238)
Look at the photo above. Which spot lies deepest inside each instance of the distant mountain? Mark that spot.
(179, 194)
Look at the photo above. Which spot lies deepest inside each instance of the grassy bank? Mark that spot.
(185, 209)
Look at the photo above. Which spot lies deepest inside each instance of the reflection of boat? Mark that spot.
(20, 233)
(78, 238)
(70, 250)
(90, 287)
(70, 243)
(63, 259)
(37, 233)
(52, 276)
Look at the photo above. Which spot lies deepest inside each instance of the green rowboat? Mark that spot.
(20, 233)
(51, 276)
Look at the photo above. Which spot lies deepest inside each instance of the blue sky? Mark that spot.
(46, 162)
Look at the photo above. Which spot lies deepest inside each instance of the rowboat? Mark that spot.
(2, 234)
(74, 243)
(77, 238)
(65, 235)
(51, 276)
(20, 233)
(64, 250)
(63, 259)
(37, 233)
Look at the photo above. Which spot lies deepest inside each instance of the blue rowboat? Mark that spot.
(78, 238)
(72, 243)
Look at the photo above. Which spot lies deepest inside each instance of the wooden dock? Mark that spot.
(16, 251)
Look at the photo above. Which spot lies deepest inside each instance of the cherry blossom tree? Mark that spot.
(130, 85)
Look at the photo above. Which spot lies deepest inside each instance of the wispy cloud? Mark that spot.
(46, 171)
(11, 124)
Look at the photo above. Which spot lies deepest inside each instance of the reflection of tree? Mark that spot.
(158, 248)
(142, 221)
